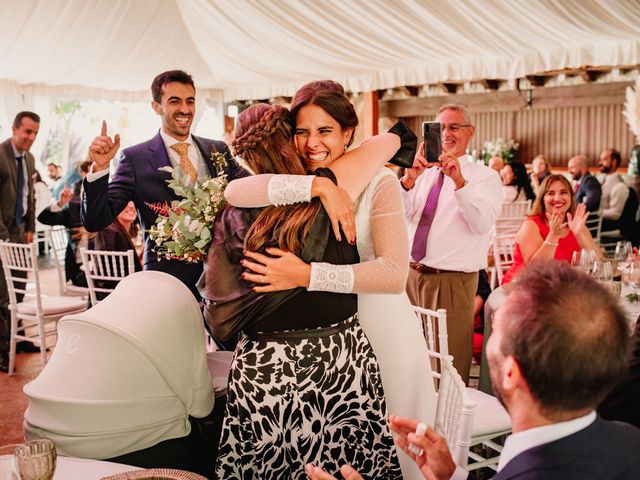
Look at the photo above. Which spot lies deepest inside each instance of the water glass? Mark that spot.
(36, 460)
(8, 463)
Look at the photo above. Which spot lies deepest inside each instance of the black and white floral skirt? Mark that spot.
(311, 400)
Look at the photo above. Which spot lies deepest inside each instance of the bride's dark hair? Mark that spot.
(263, 140)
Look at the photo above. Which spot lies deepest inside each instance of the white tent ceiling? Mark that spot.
(240, 49)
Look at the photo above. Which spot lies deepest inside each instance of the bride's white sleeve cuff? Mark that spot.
(326, 277)
(288, 189)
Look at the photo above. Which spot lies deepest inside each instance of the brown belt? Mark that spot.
(420, 268)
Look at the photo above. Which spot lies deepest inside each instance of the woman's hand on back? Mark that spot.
(280, 270)
(338, 205)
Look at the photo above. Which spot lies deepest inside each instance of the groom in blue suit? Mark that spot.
(138, 178)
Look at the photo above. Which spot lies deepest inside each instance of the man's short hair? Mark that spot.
(568, 334)
(460, 108)
(168, 77)
(581, 160)
(18, 120)
(615, 156)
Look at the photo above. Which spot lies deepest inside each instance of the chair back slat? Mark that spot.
(20, 257)
(503, 247)
(105, 266)
(436, 336)
(454, 412)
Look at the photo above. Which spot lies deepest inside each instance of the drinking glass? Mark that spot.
(623, 253)
(633, 280)
(36, 460)
(575, 259)
(587, 258)
(8, 463)
(602, 270)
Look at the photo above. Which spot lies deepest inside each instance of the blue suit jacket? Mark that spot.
(602, 450)
(138, 178)
(589, 192)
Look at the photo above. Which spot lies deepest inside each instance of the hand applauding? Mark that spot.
(577, 222)
(103, 149)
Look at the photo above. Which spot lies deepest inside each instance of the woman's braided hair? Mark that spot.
(263, 138)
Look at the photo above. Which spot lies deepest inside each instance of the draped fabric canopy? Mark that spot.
(245, 49)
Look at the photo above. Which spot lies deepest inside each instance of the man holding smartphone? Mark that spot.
(451, 206)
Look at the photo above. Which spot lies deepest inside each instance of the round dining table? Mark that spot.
(70, 468)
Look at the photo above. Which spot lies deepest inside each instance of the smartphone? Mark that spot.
(432, 132)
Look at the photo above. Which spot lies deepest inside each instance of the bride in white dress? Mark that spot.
(385, 313)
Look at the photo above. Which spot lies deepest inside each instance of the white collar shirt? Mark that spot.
(460, 232)
(193, 152)
(520, 442)
(533, 437)
(24, 195)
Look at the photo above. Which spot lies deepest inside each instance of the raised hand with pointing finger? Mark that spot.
(103, 149)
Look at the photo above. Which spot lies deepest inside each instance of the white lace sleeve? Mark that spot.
(268, 189)
(288, 189)
(387, 272)
(327, 277)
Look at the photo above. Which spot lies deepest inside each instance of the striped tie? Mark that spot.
(185, 163)
(419, 247)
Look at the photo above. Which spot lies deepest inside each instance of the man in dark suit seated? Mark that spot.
(589, 190)
(138, 178)
(559, 344)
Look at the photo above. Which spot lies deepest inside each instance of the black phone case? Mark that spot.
(432, 134)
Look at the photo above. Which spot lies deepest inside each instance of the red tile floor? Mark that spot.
(13, 402)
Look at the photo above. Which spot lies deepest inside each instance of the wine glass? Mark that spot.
(633, 280)
(587, 258)
(575, 259)
(8, 463)
(36, 460)
(602, 270)
(623, 253)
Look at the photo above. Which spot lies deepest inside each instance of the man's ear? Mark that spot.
(156, 107)
(511, 374)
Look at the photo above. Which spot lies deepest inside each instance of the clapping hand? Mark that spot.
(556, 224)
(103, 149)
(577, 221)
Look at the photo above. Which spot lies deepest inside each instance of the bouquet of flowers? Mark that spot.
(507, 149)
(182, 229)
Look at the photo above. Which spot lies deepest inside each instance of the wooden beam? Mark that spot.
(450, 88)
(367, 109)
(510, 100)
(413, 90)
(536, 80)
(589, 75)
(491, 84)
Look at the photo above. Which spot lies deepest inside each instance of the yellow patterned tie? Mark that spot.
(185, 163)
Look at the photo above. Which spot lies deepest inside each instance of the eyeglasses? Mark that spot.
(454, 127)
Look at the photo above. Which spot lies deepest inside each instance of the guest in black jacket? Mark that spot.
(589, 190)
(121, 235)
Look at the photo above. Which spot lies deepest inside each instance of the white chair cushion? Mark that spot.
(75, 290)
(490, 417)
(53, 305)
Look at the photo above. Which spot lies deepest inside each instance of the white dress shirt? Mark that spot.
(174, 157)
(460, 232)
(534, 437)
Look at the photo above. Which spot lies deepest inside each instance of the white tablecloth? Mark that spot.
(69, 468)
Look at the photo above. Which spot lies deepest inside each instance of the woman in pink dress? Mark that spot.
(554, 229)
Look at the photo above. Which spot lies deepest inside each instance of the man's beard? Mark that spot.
(577, 177)
(493, 373)
(604, 169)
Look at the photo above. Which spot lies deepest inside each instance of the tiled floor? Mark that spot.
(12, 401)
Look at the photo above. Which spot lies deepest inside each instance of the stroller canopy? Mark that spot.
(126, 374)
